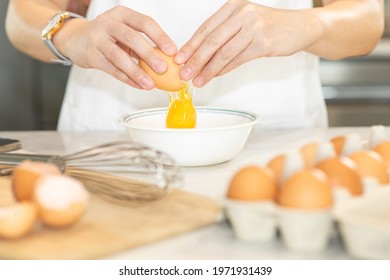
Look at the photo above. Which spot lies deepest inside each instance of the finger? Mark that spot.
(133, 40)
(244, 57)
(210, 46)
(204, 31)
(222, 58)
(121, 60)
(150, 28)
(106, 66)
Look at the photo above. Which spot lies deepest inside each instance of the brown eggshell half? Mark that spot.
(17, 220)
(25, 176)
(61, 200)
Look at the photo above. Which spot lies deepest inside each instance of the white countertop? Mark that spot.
(216, 241)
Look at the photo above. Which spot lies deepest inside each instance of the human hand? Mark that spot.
(113, 43)
(239, 32)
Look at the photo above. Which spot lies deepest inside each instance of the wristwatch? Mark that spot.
(52, 27)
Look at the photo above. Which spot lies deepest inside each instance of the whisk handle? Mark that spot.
(11, 159)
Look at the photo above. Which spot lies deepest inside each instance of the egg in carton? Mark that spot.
(250, 204)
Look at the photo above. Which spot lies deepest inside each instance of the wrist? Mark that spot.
(316, 26)
(62, 39)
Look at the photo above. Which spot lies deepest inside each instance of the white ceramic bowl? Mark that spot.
(219, 135)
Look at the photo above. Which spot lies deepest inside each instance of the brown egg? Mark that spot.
(170, 80)
(26, 174)
(342, 172)
(309, 153)
(17, 220)
(252, 183)
(306, 189)
(277, 165)
(61, 200)
(371, 164)
(384, 150)
(338, 144)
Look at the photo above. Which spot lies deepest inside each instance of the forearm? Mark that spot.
(347, 28)
(25, 21)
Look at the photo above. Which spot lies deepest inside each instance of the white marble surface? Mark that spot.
(217, 241)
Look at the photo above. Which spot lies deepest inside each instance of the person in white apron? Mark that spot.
(281, 83)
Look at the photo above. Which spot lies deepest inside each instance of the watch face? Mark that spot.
(54, 24)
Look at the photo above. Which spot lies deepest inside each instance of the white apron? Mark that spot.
(284, 91)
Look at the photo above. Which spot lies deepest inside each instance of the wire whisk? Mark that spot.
(120, 171)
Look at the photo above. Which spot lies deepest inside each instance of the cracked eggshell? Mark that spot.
(168, 81)
(61, 200)
(25, 176)
(17, 220)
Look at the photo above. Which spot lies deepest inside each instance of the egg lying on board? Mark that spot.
(61, 200)
(168, 81)
(17, 220)
(25, 176)
(253, 183)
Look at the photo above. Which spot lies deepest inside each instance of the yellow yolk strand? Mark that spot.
(181, 111)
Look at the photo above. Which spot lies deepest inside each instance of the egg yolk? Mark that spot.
(181, 111)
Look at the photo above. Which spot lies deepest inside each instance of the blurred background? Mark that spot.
(357, 90)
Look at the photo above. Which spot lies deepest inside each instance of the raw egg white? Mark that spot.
(253, 183)
(61, 200)
(181, 111)
(26, 174)
(306, 189)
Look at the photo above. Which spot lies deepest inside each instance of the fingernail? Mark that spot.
(186, 73)
(198, 81)
(169, 49)
(160, 66)
(147, 83)
(180, 58)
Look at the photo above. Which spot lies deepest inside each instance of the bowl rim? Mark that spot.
(254, 117)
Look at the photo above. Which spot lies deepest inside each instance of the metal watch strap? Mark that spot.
(61, 59)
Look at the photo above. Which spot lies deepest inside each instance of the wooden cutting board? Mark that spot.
(107, 228)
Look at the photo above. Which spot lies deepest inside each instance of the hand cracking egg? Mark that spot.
(181, 111)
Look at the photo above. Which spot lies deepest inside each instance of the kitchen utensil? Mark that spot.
(219, 134)
(120, 170)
